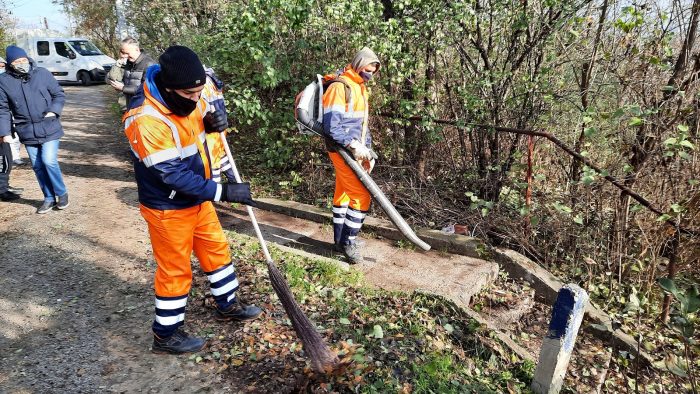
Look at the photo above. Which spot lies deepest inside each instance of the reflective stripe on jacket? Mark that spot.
(170, 160)
(344, 121)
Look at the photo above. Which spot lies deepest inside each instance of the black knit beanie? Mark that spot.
(180, 68)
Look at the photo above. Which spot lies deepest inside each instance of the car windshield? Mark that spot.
(85, 48)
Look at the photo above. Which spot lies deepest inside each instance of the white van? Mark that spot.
(69, 59)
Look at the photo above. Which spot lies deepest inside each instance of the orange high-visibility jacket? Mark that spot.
(217, 154)
(170, 161)
(345, 120)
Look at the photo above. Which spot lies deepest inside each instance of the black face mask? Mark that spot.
(181, 106)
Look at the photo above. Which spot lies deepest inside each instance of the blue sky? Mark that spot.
(30, 14)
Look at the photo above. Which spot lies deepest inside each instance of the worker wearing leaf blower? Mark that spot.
(166, 127)
(345, 121)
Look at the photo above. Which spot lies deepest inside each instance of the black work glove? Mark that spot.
(237, 192)
(215, 122)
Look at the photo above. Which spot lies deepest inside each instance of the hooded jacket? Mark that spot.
(171, 163)
(346, 119)
(28, 98)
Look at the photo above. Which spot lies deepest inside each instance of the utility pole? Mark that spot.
(121, 23)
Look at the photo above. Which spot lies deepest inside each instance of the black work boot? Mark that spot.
(178, 343)
(9, 196)
(16, 190)
(352, 253)
(238, 311)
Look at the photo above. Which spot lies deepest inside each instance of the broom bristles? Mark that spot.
(323, 360)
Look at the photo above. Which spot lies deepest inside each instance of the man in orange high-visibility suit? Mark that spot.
(345, 120)
(166, 125)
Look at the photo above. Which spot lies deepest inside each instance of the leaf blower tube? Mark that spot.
(314, 126)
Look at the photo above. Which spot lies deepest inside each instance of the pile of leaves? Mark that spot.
(387, 341)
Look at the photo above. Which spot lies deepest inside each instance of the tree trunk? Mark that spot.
(584, 85)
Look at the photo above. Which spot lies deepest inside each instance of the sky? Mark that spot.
(30, 13)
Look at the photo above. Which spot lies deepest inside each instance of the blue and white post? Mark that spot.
(567, 315)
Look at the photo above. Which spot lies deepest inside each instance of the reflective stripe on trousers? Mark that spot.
(351, 201)
(175, 234)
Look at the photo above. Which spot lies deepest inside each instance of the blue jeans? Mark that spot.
(44, 158)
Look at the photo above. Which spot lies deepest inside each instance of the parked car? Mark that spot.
(71, 59)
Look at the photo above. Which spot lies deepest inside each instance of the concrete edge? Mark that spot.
(543, 282)
(288, 249)
(453, 243)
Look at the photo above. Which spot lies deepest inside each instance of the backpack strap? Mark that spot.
(348, 102)
(330, 145)
(348, 91)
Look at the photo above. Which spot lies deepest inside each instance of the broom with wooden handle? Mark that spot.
(323, 360)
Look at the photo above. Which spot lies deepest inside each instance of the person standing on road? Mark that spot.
(345, 121)
(116, 74)
(31, 98)
(15, 145)
(7, 193)
(134, 70)
(166, 127)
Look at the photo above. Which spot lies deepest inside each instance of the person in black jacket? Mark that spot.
(134, 70)
(6, 192)
(31, 98)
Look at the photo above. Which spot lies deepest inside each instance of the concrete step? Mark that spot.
(387, 266)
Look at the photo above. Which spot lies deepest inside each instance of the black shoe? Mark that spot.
(9, 196)
(352, 252)
(180, 342)
(18, 162)
(16, 190)
(63, 202)
(239, 312)
(45, 207)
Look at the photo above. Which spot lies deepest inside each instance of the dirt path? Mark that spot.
(75, 292)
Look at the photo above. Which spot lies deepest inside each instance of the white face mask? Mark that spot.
(22, 68)
(2, 70)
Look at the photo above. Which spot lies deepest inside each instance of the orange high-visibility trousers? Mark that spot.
(349, 191)
(351, 201)
(175, 234)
